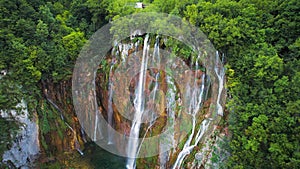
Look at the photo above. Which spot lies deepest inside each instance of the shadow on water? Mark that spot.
(102, 159)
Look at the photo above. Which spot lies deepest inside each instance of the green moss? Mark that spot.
(45, 126)
(54, 165)
(44, 144)
(191, 156)
(181, 144)
(147, 163)
(60, 133)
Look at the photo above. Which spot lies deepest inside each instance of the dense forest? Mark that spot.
(260, 39)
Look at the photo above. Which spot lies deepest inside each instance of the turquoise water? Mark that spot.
(102, 159)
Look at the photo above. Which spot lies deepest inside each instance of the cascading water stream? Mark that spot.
(83, 135)
(77, 145)
(154, 93)
(96, 127)
(150, 111)
(220, 74)
(196, 94)
(159, 92)
(110, 104)
(156, 53)
(206, 122)
(139, 101)
(171, 108)
(155, 62)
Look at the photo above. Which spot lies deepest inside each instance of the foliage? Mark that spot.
(7, 126)
(263, 65)
(41, 40)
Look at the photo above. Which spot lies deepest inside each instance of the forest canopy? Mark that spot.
(260, 40)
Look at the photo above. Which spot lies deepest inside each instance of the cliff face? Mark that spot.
(60, 132)
(206, 100)
(62, 138)
(24, 149)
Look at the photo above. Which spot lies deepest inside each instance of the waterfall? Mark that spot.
(162, 93)
(110, 105)
(155, 60)
(154, 93)
(150, 111)
(76, 142)
(25, 148)
(139, 102)
(195, 93)
(95, 127)
(220, 74)
(119, 50)
(77, 145)
(83, 135)
(171, 107)
(124, 48)
(156, 53)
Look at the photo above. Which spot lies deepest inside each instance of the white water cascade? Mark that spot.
(155, 61)
(26, 147)
(168, 140)
(220, 74)
(196, 95)
(160, 101)
(139, 101)
(110, 103)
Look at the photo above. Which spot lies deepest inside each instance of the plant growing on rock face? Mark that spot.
(220, 154)
(260, 38)
(138, 39)
(104, 68)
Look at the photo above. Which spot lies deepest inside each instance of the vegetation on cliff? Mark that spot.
(40, 41)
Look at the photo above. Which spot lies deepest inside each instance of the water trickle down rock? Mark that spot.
(169, 140)
(195, 93)
(206, 123)
(110, 103)
(74, 139)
